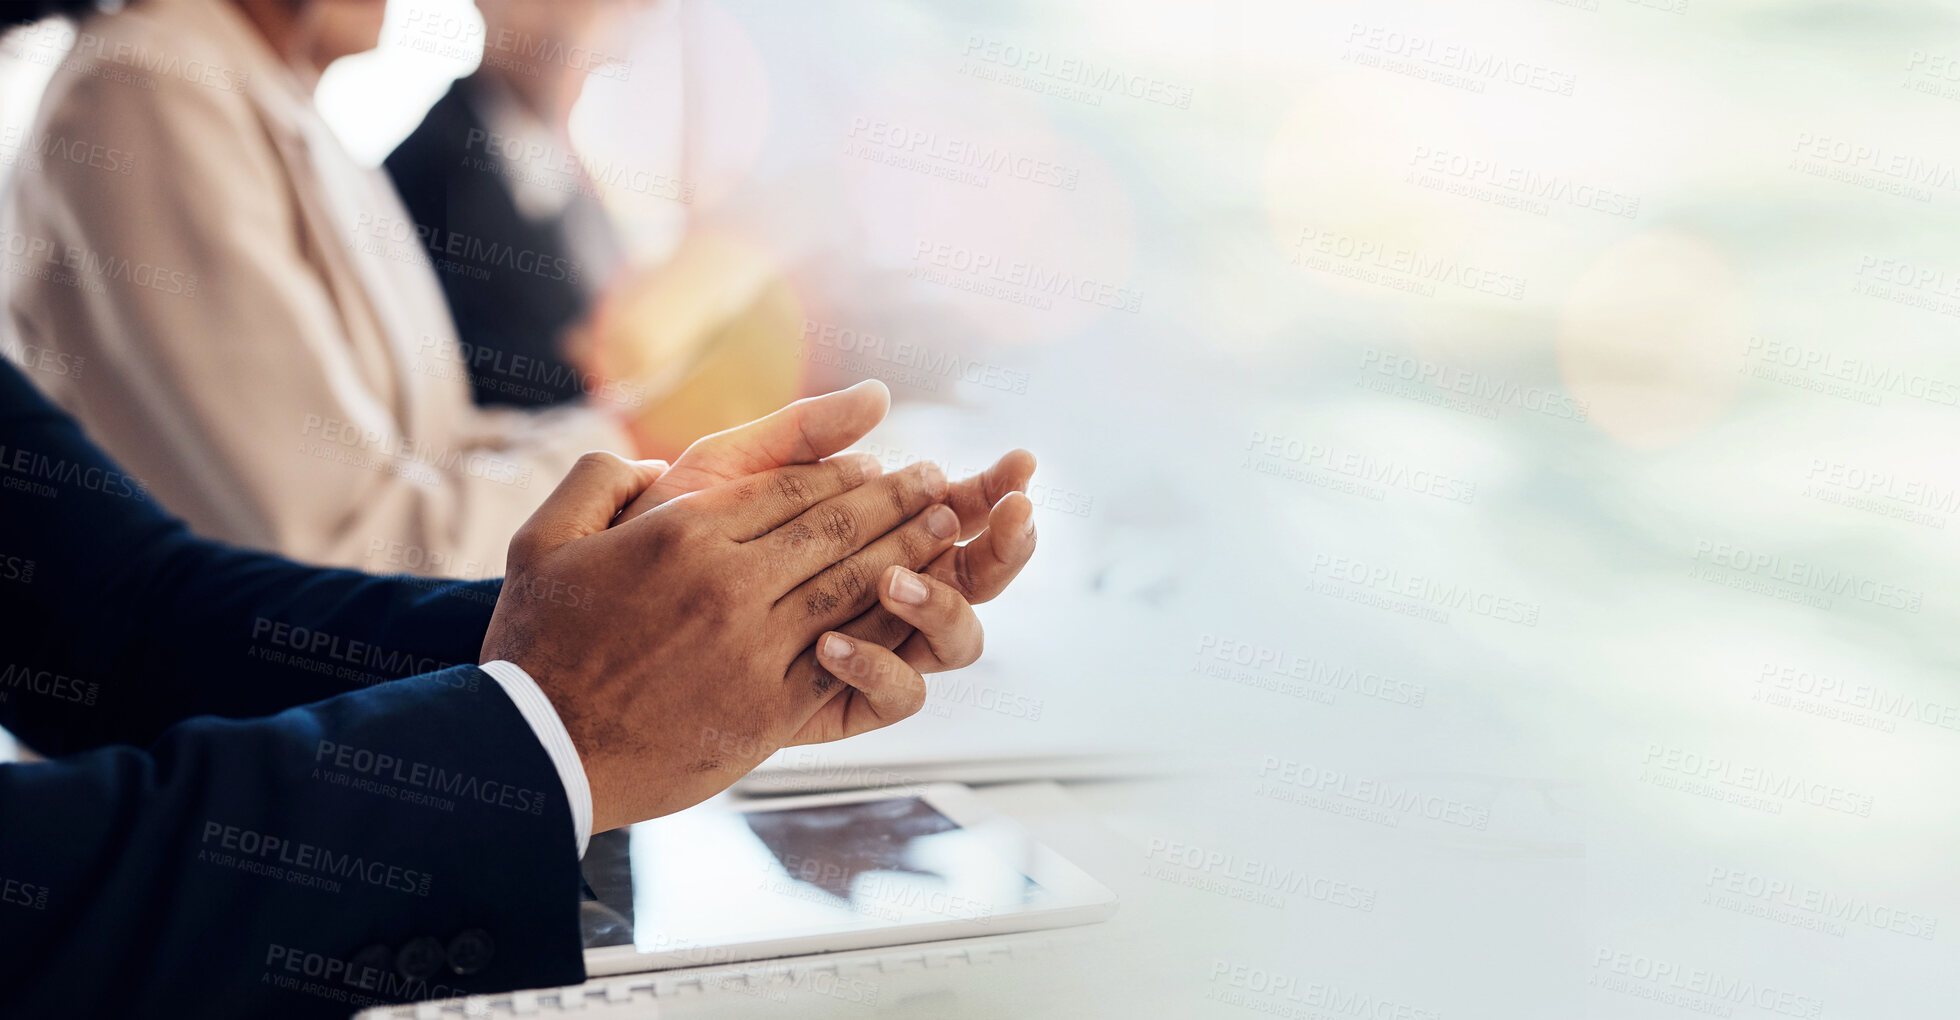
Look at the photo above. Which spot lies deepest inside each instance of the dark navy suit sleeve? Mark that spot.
(200, 846)
(406, 842)
(116, 622)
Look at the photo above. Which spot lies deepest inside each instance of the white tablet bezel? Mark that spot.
(1080, 899)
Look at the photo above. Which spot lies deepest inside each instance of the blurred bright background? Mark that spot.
(1549, 408)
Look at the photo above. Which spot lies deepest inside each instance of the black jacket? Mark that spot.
(272, 789)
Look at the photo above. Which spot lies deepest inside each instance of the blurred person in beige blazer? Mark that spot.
(264, 338)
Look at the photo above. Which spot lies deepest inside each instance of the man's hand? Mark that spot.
(993, 510)
(808, 431)
(670, 644)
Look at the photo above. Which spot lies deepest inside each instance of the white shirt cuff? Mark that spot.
(544, 721)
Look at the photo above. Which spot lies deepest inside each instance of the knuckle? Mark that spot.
(838, 524)
(523, 545)
(966, 576)
(853, 579)
(821, 602)
(882, 627)
(916, 543)
(599, 460)
(792, 488)
(843, 585)
(796, 534)
(673, 526)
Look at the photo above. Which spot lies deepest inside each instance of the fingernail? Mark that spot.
(907, 588)
(867, 465)
(942, 521)
(935, 480)
(838, 647)
(1028, 528)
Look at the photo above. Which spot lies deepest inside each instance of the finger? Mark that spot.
(585, 501)
(803, 432)
(978, 571)
(949, 633)
(982, 568)
(883, 690)
(751, 507)
(848, 587)
(656, 469)
(971, 498)
(833, 529)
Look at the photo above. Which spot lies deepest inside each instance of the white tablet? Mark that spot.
(796, 875)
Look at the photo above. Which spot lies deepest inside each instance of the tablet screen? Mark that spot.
(711, 878)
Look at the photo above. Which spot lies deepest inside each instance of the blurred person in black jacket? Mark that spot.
(493, 165)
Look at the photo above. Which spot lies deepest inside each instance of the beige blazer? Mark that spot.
(262, 337)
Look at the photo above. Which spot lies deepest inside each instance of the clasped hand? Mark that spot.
(730, 598)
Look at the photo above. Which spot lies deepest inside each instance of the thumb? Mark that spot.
(586, 501)
(802, 433)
